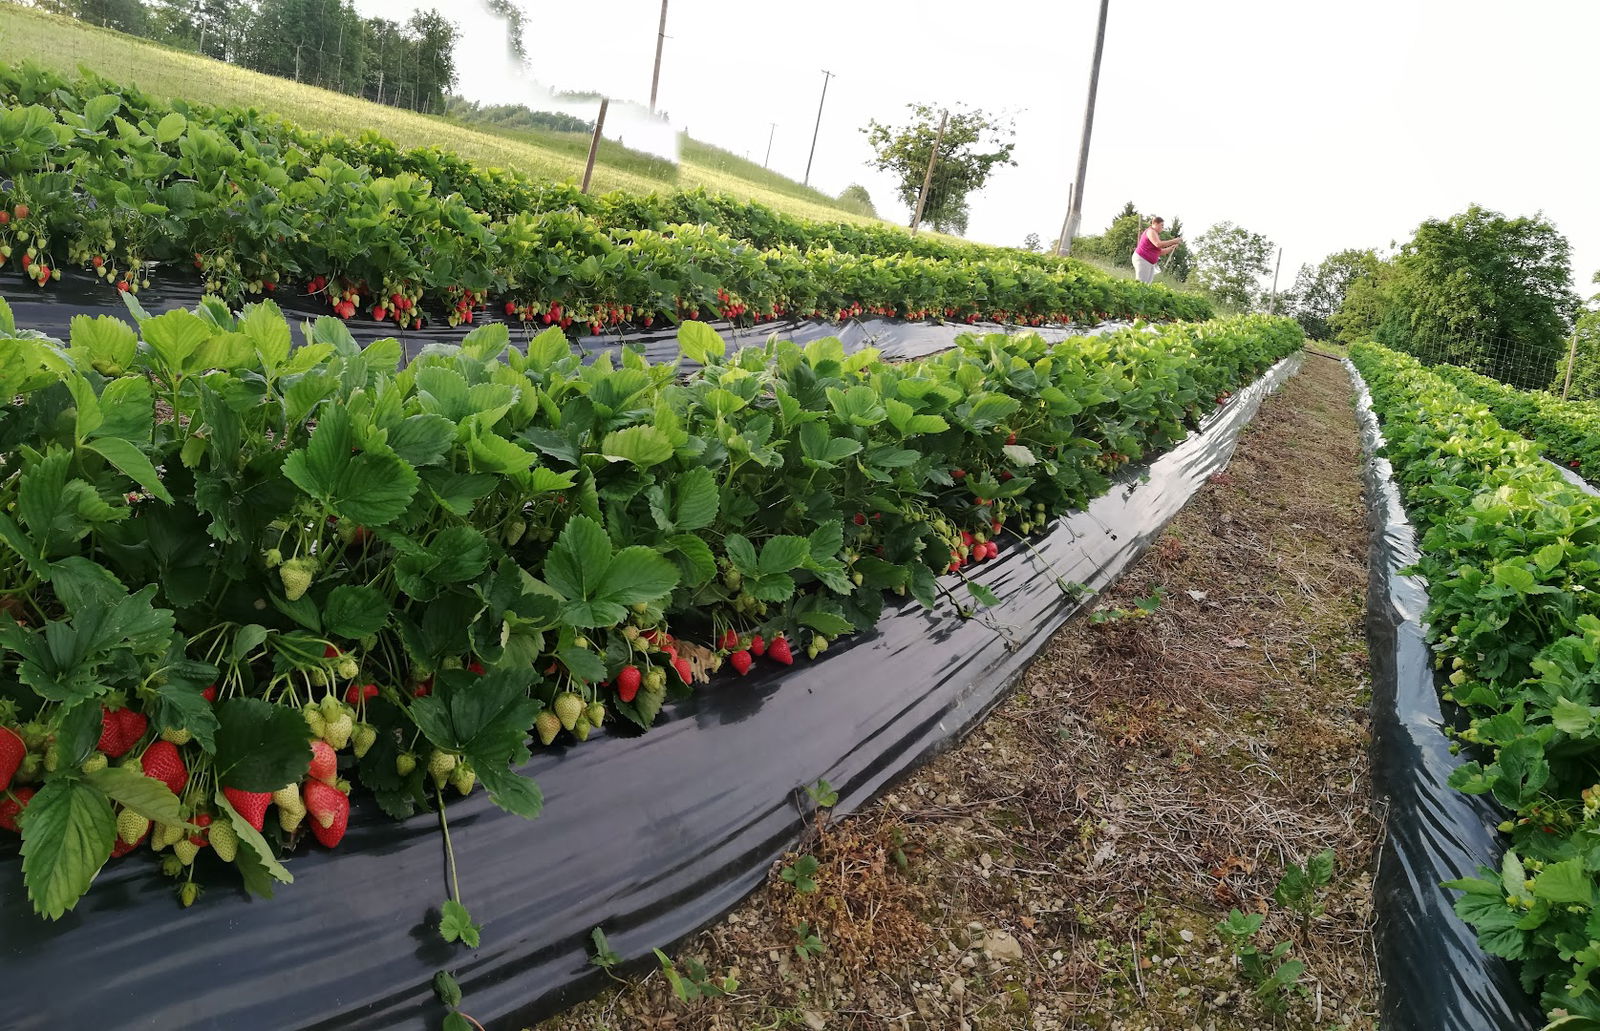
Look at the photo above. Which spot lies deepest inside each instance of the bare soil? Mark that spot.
(1066, 866)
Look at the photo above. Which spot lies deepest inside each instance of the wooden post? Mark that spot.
(927, 179)
(1061, 241)
(1273, 304)
(1572, 359)
(1075, 212)
(770, 133)
(826, 75)
(594, 145)
(661, 37)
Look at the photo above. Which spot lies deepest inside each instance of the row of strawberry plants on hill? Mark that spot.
(236, 574)
(1568, 431)
(1511, 554)
(102, 177)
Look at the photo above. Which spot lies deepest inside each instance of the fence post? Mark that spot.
(1572, 358)
(594, 145)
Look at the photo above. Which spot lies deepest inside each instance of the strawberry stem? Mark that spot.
(449, 851)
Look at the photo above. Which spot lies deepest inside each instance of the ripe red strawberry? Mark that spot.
(684, 670)
(122, 285)
(12, 751)
(757, 645)
(324, 763)
(779, 651)
(423, 689)
(740, 661)
(861, 519)
(162, 762)
(966, 538)
(628, 683)
(730, 640)
(11, 808)
(122, 848)
(210, 693)
(358, 692)
(97, 261)
(252, 805)
(330, 811)
(120, 730)
(22, 211)
(380, 313)
(5, 216)
(475, 667)
(959, 474)
(996, 526)
(201, 820)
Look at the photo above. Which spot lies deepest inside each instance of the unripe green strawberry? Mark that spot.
(338, 731)
(165, 834)
(580, 729)
(568, 707)
(314, 720)
(547, 726)
(287, 797)
(170, 865)
(296, 575)
(331, 709)
(95, 763)
(363, 739)
(131, 827)
(185, 850)
(224, 841)
(181, 736)
(348, 668)
(462, 778)
(596, 714)
(272, 557)
(439, 766)
(52, 757)
(404, 763)
(188, 892)
(656, 679)
(289, 819)
(515, 527)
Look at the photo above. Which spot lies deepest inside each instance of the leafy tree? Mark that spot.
(975, 144)
(856, 198)
(1227, 261)
(1482, 290)
(1177, 264)
(1586, 364)
(123, 15)
(1031, 243)
(1319, 290)
(514, 16)
(1122, 236)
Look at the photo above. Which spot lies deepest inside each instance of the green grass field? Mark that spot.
(65, 45)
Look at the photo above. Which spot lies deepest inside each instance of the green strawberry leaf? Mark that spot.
(260, 746)
(146, 796)
(251, 841)
(700, 343)
(354, 611)
(644, 446)
(133, 464)
(455, 924)
(372, 487)
(68, 830)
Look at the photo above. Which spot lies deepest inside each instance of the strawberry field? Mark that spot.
(99, 177)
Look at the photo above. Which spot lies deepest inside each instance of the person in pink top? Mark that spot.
(1151, 249)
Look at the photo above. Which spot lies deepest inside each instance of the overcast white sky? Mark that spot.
(1321, 125)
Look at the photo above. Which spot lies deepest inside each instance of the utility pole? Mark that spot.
(770, 133)
(1276, 269)
(1061, 241)
(927, 179)
(826, 75)
(594, 145)
(1572, 359)
(661, 37)
(1075, 212)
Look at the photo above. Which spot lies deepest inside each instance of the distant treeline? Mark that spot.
(322, 42)
(513, 116)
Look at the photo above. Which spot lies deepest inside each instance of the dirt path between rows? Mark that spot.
(1067, 865)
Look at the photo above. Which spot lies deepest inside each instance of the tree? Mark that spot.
(855, 198)
(1227, 260)
(1482, 290)
(975, 144)
(514, 15)
(1586, 364)
(1031, 243)
(1177, 264)
(1319, 290)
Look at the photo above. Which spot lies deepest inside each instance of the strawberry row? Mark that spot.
(254, 557)
(1511, 555)
(1568, 431)
(102, 177)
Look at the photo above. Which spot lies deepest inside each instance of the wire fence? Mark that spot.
(1513, 362)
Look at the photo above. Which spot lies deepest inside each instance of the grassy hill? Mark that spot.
(64, 45)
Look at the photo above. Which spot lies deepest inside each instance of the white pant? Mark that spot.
(1145, 270)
